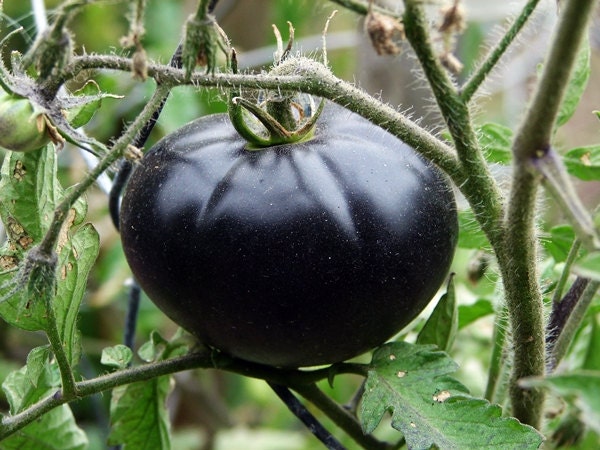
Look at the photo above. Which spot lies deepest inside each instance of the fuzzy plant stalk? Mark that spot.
(518, 259)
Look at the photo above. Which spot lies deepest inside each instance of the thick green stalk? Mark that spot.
(517, 258)
(477, 184)
(518, 265)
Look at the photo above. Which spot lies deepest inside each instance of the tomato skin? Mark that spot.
(295, 255)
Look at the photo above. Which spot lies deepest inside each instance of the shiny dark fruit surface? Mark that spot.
(295, 255)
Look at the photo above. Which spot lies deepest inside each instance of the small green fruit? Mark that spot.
(22, 128)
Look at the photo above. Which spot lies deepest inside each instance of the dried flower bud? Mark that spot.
(453, 19)
(139, 64)
(132, 153)
(451, 62)
(385, 33)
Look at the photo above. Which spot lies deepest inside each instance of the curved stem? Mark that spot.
(481, 190)
(307, 76)
(207, 359)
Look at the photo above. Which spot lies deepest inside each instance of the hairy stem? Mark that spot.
(517, 257)
(477, 184)
(472, 84)
(518, 265)
(206, 359)
(306, 76)
(49, 242)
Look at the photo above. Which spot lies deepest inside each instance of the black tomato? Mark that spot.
(294, 255)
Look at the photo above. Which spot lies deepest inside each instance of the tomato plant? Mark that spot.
(292, 255)
(286, 243)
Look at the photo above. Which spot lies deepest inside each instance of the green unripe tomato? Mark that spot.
(22, 128)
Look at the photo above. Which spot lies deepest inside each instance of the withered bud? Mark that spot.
(133, 154)
(451, 63)
(139, 64)
(386, 33)
(453, 19)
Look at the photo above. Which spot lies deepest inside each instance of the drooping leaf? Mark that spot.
(588, 266)
(432, 409)
(584, 162)
(77, 254)
(581, 387)
(117, 356)
(577, 84)
(138, 415)
(441, 327)
(470, 233)
(558, 242)
(467, 314)
(29, 192)
(496, 142)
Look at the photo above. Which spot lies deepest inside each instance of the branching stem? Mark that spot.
(206, 359)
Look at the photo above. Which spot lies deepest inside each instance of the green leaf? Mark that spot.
(84, 103)
(29, 192)
(118, 356)
(588, 266)
(558, 242)
(584, 162)
(77, 255)
(160, 348)
(431, 408)
(55, 430)
(582, 387)
(470, 233)
(441, 327)
(467, 314)
(577, 84)
(21, 391)
(151, 350)
(496, 142)
(138, 414)
(36, 362)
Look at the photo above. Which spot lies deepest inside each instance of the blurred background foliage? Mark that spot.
(213, 409)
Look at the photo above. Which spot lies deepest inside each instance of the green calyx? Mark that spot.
(280, 118)
(276, 121)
